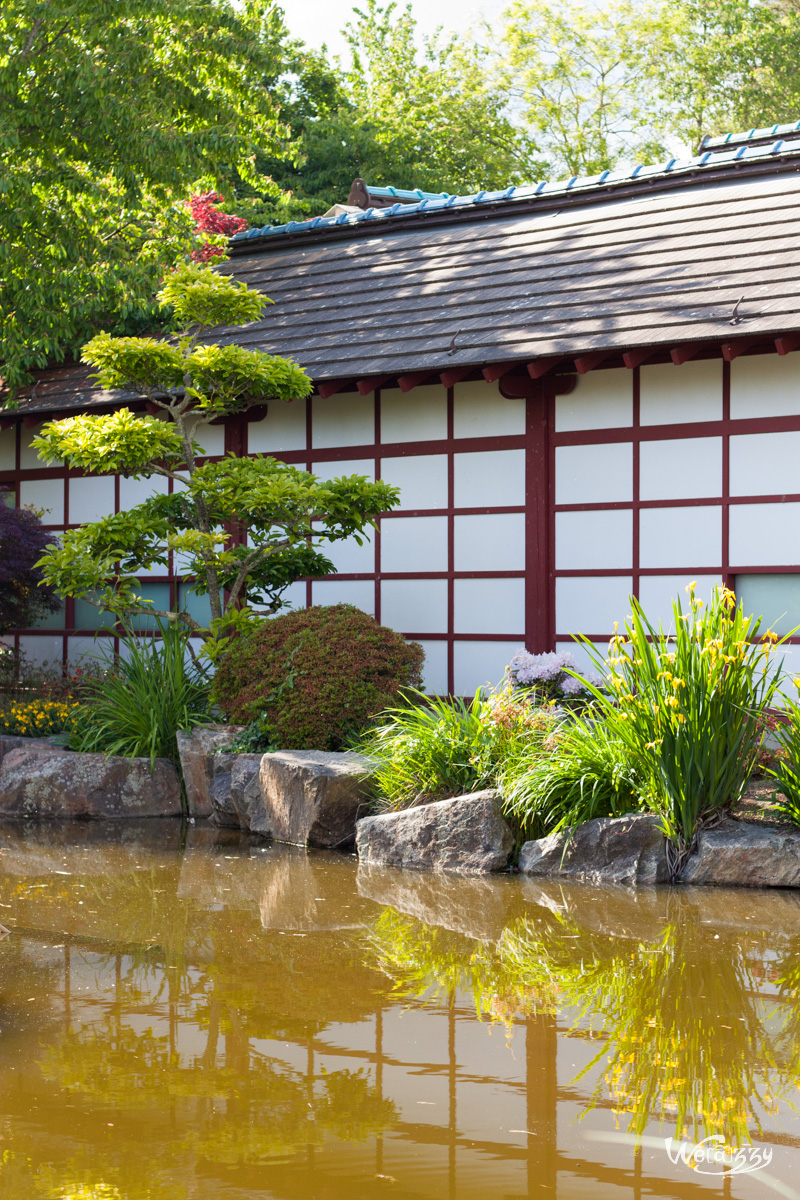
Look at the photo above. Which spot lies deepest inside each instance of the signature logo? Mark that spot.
(713, 1156)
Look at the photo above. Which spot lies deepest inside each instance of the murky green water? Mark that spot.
(187, 1017)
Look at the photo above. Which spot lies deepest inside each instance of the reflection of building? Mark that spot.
(583, 390)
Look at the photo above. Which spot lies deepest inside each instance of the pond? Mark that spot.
(188, 1015)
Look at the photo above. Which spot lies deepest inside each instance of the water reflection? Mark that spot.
(189, 1016)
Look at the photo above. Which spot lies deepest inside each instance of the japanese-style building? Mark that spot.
(584, 389)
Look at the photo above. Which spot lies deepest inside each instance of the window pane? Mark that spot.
(196, 606)
(776, 598)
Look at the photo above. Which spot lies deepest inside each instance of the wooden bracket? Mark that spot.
(787, 343)
(451, 378)
(732, 350)
(496, 371)
(326, 390)
(588, 362)
(682, 354)
(635, 358)
(541, 366)
(371, 384)
(412, 380)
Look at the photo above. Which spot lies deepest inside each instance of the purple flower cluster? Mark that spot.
(547, 672)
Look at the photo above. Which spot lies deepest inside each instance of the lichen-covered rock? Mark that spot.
(206, 775)
(467, 834)
(243, 780)
(745, 854)
(46, 783)
(8, 743)
(627, 850)
(308, 797)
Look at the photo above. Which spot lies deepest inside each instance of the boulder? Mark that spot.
(308, 797)
(36, 784)
(206, 776)
(468, 835)
(625, 850)
(244, 785)
(8, 743)
(745, 854)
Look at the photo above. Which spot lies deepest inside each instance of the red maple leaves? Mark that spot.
(208, 219)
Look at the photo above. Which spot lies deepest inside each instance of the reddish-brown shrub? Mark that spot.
(317, 675)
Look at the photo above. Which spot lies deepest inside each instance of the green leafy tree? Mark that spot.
(245, 527)
(111, 113)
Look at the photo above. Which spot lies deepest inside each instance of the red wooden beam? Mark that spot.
(635, 358)
(562, 385)
(732, 350)
(31, 422)
(787, 343)
(496, 371)
(330, 389)
(6, 423)
(370, 384)
(412, 380)
(588, 362)
(518, 387)
(451, 378)
(541, 366)
(682, 354)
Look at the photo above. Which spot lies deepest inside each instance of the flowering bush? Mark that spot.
(548, 674)
(37, 718)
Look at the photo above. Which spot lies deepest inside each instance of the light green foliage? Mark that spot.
(785, 767)
(685, 707)
(286, 513)
(146, 694)
(112, 113)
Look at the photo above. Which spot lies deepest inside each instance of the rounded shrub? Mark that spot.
(316, 676)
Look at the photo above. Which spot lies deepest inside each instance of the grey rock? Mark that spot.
(204, 772)
(245, 785)
(745, 854)
(624, 850)
(9, 743)
(468, 835)
(45, 784)
(478, 907)
(308, 797)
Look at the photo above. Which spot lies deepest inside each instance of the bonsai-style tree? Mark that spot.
(245, 528)
(24, 599)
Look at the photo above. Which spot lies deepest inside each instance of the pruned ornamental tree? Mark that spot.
(24, 599)
(244, 528)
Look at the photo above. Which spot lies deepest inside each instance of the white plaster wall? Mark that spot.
(348, 557)
(765, 385)
(82, 648)
(343, 467)
(212, 439)
(414, 605)
(413, 544)
(422, 479)
(601, 400)
(28, 458)
(360, 592)
(294, 597)
(347, 420)
(670, 394)
(489, 478)
(657, 592)
(8, 449)
(680, 468)
(495, 542)
(592, 603)
(776, 598)
(581, 655)
(283, 428)
(480, 411)
(593, 540)
(90, 498)
(434, 669)
(764, 534)
(680, 537)
(480, 664)
(44, 493)
(136, 491)
(765, 464)
(416, 416)
(489, 606)
(594, 474)
(41, 648)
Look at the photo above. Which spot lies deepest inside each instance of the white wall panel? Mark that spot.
(601, 400)
(136, 491)
(42, 648)
(422, 479)
(344, 466)
(480, 411)
(495, 542)
(47, 494)
(788, 658)
(679, 468)
(670, 394)
(416, 416)
(360, 592)
(294, 597)
(765, 385)
(657, 592)
(90, 498)
(414, 544)
(764, 535)
(765, 464)
(480, 664)
(775, 598)
(678, 537)
(434, 669)
(348, 557)
(81, 648)
(8, 449)
(343, 420)
(28, 458)
(591, 604)
(283, 428)
(489, 606)
(594, 474)
(211, 438)
(414, 605)
(593, 540)
(489, 478)
(581, 655)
